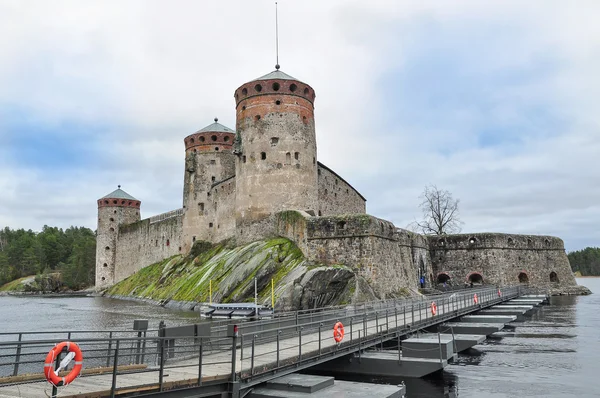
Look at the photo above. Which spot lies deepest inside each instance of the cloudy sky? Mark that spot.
(495, 101)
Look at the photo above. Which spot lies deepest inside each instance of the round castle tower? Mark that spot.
(208, 160)
(118, 207)
(277, 152)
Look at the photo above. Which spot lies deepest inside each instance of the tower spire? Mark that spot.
(276, 39)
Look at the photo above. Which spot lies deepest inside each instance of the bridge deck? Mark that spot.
(277, 351)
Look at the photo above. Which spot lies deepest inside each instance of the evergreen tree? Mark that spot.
(71, 252)
(586, 261)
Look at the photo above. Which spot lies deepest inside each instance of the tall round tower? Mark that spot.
(277, 152)
(118, 207)
(208, 160)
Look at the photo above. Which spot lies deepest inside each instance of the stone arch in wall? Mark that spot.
(553, 277)
(523, 277)
(475, 278)
(443, 278)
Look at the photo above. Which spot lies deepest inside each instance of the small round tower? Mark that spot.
(114, 209)
(277, 153)
(208, 160)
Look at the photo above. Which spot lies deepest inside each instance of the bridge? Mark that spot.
(223, 359)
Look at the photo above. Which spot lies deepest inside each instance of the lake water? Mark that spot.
(553, 353)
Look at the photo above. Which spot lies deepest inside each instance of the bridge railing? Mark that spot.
(366, 325)
(133, 355)
(261, 350)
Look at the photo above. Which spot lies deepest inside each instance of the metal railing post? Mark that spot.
(359, 345)
(56, 365)
(278, 333)
(18, 356)
(320, 326)
(143, 348)
(161, 370)
(138, 348)
(387, 322)
(440, 346)
(300, 344)
(252, 355)
(399, 351)
(233, 356)
(109, 349)
(200, 353)
(114, 372)
(351, 322)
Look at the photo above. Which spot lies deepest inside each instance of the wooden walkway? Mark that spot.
(250, 370)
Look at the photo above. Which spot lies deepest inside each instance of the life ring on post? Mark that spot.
(433, 308)
(475, 298)
(338, 332)
(52, 375)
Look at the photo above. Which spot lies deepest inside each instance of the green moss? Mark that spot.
(290, 217)
(231, 270)
(16, 285)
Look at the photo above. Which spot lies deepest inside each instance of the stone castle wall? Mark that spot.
(502, 259)
(390, 258)
(223, 195)
(336, 196)
(146, 242)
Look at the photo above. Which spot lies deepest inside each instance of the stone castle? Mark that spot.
(263, 180)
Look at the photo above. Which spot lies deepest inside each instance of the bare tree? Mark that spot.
(440, 212)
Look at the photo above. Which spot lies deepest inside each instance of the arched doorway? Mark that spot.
(443, 278)
(553, 277)
(523, 277)
(475, 278)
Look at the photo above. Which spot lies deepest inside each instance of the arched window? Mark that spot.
(443, 278)
(523, 277)
(476, 278)
(553, 277)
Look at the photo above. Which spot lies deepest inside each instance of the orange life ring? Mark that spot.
(499, 293)
(433, 308)
(338, 332)
(51, 357)
(475, 299)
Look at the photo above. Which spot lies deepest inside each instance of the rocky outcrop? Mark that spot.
(231, 273)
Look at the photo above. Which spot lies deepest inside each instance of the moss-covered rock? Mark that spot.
(43, 283)
(231, 273)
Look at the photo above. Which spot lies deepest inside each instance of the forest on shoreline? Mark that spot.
(69, 253)
(586, 262)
